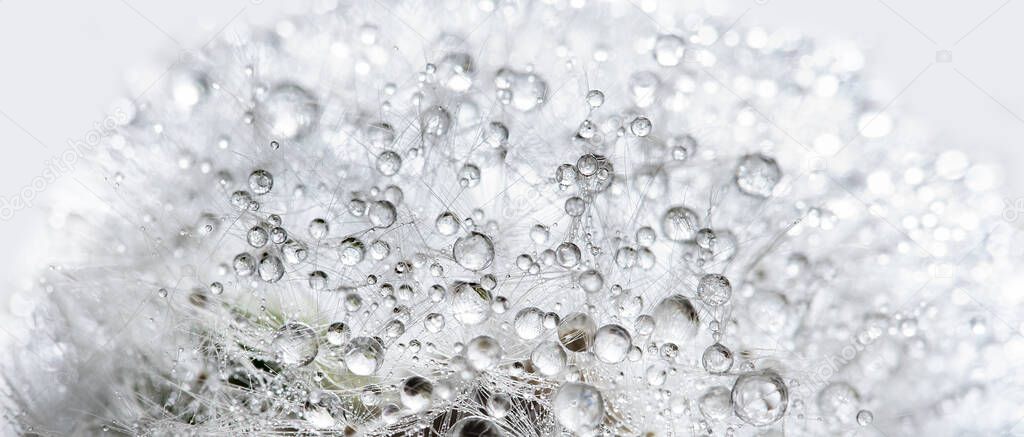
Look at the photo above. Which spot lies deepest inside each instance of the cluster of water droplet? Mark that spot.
(569, 219)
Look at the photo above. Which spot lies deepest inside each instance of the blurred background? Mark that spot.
(953, 66)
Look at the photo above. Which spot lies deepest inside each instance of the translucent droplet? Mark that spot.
(261, 182)
(679, 223)
(640, 126)
(474, 426)
(474, 251)
(716, 403)
(338, 334)
(612, 343)
(669, 50)
(471, 303)
(351, 251)
(548, 358)
(675, 320)
(839, 400)
(290, 112)
(529, 323)
(382, 214)
(446, 223)
(717, 359)
(595, 98)
(578, 407)
(760, 398)
(416, 393)
(295, 344)
(498, 405)
(270, 268)
(757, 175)
(714, 289)
(483, 353)
(865, 417)
(389, 162)
(568, 254)
(364, 356)
(576, 332)
(524, 91)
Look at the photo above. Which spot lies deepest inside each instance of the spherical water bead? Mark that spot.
(483, 353)
(416, 393)
(364, 356)
(717, 359)
(496, 134)
(770, 311)
(529, 323)
(278, 235)
(595, 98)
(455, 71)
(760, 398)
(865, 417)
(434, 322)
(242, 201)
(757, 175)
(295, 344)
(317, 280)
(389, 163)
(839, 400)
(716, 403)
(188, 87)
(379, 135)
(257, 237)
(270, 268)
(474, 426)
(576, 332)
(591, 281)
(587, 129)
(579, 408)
(612, 343)
(434, 123)
(539, 234)
(714, 289)
(446, 223)
(382, 214)
(669, 50)
(261, 181)
(498, 405)
(675, 320)
(587, 165)
(548, 358)
(568, 254)
(338, 334)
(244, 264)
(351, 251)
(645, 236)
(643, 88)
(682, 147)
(566, 175)
(290, 112)
(640, 126)
(575, 206)
(318, 228)
(469, 176)
(625, 257)
(679, 223)
(474, 251)
(471, 303)
(523, 90)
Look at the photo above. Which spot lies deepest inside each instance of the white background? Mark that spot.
(64, 62)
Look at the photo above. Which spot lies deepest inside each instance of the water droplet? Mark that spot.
(757, 175)
(760, 398)
(474, 251)
(295, 344)
(578, 407)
